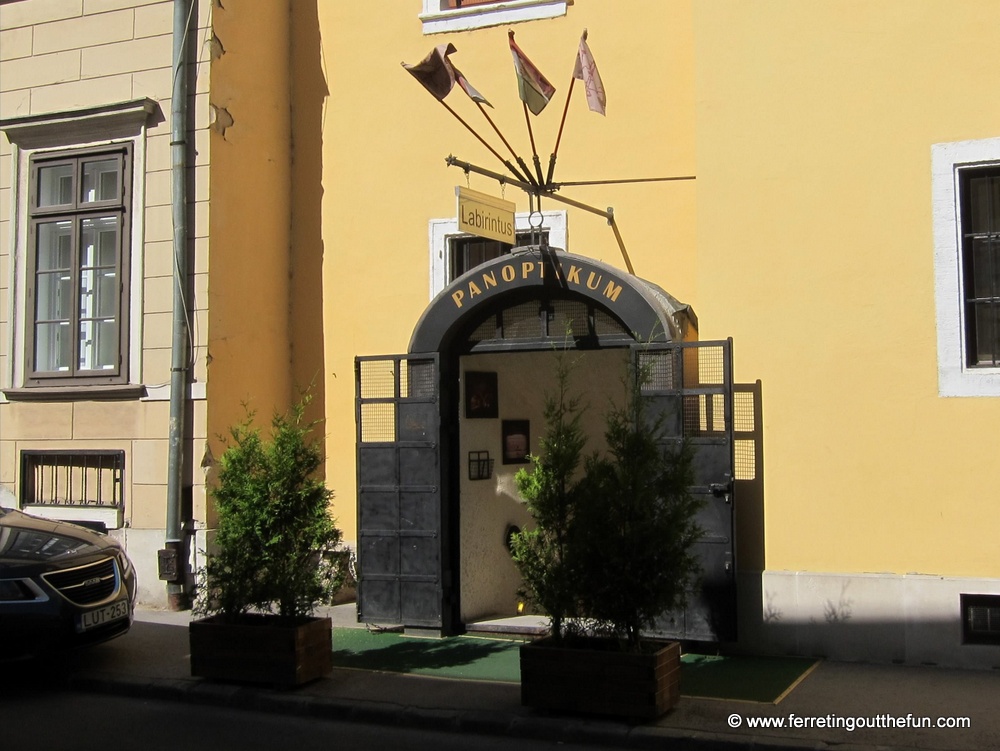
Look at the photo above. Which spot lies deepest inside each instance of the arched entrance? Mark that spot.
(442, 429)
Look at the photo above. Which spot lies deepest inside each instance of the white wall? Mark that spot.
(877, 617)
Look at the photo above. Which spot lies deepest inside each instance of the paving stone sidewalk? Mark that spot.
(846, 706)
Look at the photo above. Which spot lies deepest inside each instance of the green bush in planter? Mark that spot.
(612, 546)
(275, 542)
(544, 555)
(635, 523)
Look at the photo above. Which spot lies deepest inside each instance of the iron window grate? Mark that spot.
(468, 252)
(980, 619)
(73, 478)
(980, 196)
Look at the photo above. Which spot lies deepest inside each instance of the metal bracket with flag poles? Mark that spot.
(608, 214)
(439, 75)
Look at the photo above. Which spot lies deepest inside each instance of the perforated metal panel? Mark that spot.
(747, 432)
(523, 321)
(690, 387)
(570, 317)
(399, 490)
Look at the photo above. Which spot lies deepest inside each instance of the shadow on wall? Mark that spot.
(748, 483)
(912, 619)
(310, 97)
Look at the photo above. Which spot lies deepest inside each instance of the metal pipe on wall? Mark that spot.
(180, 351)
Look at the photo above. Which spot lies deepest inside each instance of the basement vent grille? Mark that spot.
(72, 478)
(980, 619)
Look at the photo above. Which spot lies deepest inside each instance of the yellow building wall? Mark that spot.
(815, 252)
(807, 235)
(249, 302)
(385, 140)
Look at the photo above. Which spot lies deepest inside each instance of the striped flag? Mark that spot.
(585, 70)
(533, 88)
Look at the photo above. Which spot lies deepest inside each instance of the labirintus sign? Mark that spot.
(485, 215)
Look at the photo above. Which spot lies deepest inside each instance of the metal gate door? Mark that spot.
(691, 386)
(399, 489)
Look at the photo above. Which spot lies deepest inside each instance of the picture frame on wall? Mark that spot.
(481, 398)
(516, 436)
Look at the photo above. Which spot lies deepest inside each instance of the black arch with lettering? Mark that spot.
(645, 309)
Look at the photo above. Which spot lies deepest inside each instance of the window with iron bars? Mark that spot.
(980, 200)
(469, 252)
(73, 478)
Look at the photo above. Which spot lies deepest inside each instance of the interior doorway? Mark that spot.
(492, 446)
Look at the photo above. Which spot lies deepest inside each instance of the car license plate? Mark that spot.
(107, 614)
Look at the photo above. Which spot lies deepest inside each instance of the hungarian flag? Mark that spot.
(585, 70)
(534, 88)
(439, 75)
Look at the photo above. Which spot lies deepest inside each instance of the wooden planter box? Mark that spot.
(262, 649)
(593, 677)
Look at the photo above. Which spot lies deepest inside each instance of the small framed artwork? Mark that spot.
(516, 441)
(481, 395)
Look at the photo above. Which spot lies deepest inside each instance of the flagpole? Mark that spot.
(513, 153)
(482, 140)
(555, 151)
(531, 137)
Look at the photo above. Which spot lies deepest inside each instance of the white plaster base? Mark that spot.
(912, 619)
(142, 546)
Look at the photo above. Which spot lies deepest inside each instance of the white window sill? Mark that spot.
(438, 21)
(110, 516)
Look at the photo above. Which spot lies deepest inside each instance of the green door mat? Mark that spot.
(465, 657)
(742, 678)
(759, 679)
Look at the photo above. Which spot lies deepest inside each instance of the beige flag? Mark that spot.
(585, 70)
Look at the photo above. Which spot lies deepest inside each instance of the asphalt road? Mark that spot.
(41, 719)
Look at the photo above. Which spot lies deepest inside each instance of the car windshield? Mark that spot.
(31, 544)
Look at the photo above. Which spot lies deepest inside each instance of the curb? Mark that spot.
(554, 729)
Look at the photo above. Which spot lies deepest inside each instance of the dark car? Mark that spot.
(61, 586)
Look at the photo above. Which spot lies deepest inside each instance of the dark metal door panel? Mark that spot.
(691, 385)
(399, 490)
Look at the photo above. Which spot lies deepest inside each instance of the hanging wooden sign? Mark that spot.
(485, 215)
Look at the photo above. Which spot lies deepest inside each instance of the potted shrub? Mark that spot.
(628, 553)
(274, 560)
(544, 554)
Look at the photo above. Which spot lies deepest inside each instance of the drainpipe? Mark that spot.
(174, 572)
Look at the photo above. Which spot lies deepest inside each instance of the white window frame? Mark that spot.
(955, 378)
(442, 231)
(437, 20)
(125, 122)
